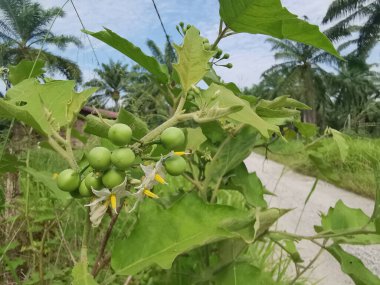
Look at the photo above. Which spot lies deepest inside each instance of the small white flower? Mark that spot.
(105, 198)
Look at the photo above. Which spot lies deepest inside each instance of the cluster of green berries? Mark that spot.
(109, 167)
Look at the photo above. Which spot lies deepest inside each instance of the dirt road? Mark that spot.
(292, 189)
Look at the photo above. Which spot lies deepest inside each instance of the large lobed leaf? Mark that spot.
(162, 234)
(135, 53)
(193, 59)
(341, 219)
(217, 95)
(45, 107)
(268, 17)
(25, 69)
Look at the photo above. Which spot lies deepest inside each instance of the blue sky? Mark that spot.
(136, 20)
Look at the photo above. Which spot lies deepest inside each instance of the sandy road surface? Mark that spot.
(292, 190)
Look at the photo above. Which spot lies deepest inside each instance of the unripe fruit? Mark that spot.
(93, 181)
(120, 134)
(84, 191)
(113, 178)
(172, 138)
(68, 180)
(122, 158)
(181, 24)
(207, 46)
(175, 165)
(218, 53)
(226, 56)
(229, 65)
(99, 158)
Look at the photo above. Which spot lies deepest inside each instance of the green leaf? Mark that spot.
(268, 17)
(193, 59)
(46, 179)
(353, 266)
(307, 130)
(81, 276)
(9, 163)
(194, 138)
(213, 131)
(242, 273)
(341, 219)
(211, 77)
(341, 143)
(188, 223)
(249, 185)
(25, 69)
(45, 107)
(138, 126)
(135, 53)
(232, 151)
(222, 97)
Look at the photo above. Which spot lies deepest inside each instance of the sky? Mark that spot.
(137, 21)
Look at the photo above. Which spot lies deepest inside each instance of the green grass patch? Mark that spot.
(354, 174)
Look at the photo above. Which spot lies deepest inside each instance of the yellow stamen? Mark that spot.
(150, 194)
(55, 175)
(180, 153)
(159, 179)
(113, 201)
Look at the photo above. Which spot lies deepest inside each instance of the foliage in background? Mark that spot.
(25, 28)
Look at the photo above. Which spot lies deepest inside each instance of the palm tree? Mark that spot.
(299, 75)
(350, 11)
(168, 57)
(354, 90)
(112, 84)
(24, 27)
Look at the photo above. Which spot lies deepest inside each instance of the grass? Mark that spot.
(354, 174)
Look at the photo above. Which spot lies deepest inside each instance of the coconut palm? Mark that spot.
(350, 11)
(111, 83)
(24, 27)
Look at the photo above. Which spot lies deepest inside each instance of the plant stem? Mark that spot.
(104, 241)
(219, 38)
(71, 160)
(323, 236)
(307, 267)
(69, 148)
(85, 236)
